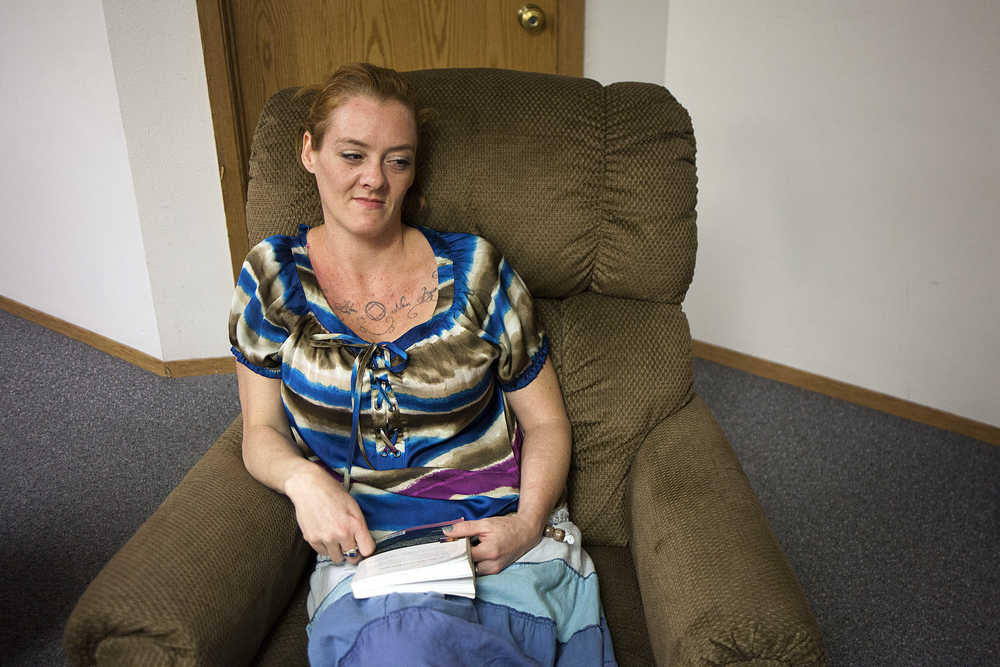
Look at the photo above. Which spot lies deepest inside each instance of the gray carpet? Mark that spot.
(892, 527)
(91, 446)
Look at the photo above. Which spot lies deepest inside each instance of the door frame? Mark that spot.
(232, 149)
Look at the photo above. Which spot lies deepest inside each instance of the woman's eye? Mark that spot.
(400, 163)
(352, 157)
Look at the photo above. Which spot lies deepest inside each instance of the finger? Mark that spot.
(366, 545)
(489, 567)
(333, 548)
(319, 548)
(484, 552)
(351, 554)
(464, 528)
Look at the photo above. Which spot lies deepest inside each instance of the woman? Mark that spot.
(394, 376)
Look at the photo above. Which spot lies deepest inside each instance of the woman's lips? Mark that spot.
(369, 203)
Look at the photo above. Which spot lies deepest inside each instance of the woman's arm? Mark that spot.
(546, 449)
(545, 457)
(329, 517)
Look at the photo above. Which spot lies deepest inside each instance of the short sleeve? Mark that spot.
(257, 319)
(513, 326)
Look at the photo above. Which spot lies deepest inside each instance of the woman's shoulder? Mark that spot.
(275, 254)
(270, 274)
(475, 263)
(466, 250)
(279, 244)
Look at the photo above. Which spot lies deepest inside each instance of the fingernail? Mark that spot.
(447, 529)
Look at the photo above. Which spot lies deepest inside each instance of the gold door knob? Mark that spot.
(532, 18)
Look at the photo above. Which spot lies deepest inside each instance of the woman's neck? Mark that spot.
(357, 258)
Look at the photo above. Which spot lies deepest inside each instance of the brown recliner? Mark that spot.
(590, 193)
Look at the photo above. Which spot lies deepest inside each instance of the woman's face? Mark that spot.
(365, 164)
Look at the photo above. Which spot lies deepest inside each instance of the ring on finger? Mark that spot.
(352, 553)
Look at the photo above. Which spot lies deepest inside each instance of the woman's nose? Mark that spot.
(373, 176)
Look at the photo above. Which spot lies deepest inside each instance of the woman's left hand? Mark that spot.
(502, 540)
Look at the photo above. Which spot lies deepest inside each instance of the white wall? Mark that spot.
(71, 228)
(624, 40)
(159, 67)
(112, 173)
(848, 157)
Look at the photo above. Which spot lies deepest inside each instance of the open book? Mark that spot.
(417, 560)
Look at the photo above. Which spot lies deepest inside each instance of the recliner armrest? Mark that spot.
(202, 581)
(716, 587)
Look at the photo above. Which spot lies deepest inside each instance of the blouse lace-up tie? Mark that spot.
(368, 357)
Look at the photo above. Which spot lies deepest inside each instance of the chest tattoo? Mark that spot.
(377, 318)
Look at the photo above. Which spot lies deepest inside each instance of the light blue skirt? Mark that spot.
(543, 609)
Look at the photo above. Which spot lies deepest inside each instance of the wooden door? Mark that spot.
(253, 48)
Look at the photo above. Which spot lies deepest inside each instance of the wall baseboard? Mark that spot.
(211, 366)
(182, 368)
(847, 392)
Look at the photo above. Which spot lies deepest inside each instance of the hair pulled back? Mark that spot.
(349, 81)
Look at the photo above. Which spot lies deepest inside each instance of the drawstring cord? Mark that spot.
(367, 357)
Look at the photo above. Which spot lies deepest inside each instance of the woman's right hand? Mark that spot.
(329, 517)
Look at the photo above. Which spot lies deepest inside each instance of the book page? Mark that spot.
(412, 558)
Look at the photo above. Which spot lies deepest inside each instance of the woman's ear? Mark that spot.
(307, 152)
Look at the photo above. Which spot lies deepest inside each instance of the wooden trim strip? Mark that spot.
(184, 368)
(192, 367)
(94, 340)
(224, 101)
(569, 37)
(847, 392)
